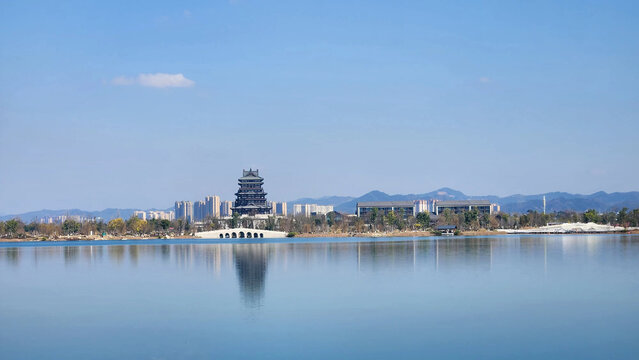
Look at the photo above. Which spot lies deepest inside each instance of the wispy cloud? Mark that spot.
(158, 80)
(484, 80)
(187, 13)
(123, 80)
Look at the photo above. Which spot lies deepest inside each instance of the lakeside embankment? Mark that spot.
(302, 235)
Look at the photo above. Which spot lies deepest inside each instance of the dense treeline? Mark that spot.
(331, 223)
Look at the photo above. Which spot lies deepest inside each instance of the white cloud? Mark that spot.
(484, 80)
(122, 80)
(158, 80)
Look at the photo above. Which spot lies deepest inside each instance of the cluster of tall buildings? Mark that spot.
(250, 200)
(213, 207)
(210, 207)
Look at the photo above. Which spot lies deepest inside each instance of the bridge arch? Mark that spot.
(234, 235)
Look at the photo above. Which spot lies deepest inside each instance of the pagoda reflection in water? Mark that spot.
(251, 261)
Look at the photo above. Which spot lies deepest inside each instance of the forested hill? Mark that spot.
(555, 201)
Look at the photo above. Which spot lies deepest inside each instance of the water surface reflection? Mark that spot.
(252, 260)
(325, 298)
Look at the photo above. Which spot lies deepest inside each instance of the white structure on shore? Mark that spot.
(241, 233)
(566, 228)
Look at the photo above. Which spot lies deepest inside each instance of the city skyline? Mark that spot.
(330, 98)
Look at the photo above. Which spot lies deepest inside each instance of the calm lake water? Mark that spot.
(508, 297)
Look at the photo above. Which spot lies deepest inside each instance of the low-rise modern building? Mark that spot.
(161, 215)
(385, 207)
(458, 206)
(311, 209)
(321, 209)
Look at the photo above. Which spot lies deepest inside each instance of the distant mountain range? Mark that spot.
(555, 201)
(106, 214)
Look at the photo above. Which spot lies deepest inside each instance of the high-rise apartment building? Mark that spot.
(226, 208)
(184, 210)
(212, 206)
(301, 209)
(179, 210)
(199, 210)
(278, 208)
(140, 214)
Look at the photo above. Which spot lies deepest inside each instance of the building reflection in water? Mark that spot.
(250, 262)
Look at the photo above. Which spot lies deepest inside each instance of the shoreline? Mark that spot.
(312, 235)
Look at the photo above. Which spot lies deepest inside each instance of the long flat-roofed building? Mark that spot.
(458, 206)
(385, 207)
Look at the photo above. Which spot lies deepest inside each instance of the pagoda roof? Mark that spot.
(250, 177)
(251, 174)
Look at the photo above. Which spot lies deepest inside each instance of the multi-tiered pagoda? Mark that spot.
(251, 198)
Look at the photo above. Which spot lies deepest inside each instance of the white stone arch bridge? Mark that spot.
(240, 233)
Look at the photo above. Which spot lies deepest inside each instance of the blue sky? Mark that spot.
(125, 104)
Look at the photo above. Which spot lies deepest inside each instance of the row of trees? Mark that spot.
(330, 223)
(15, 228)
